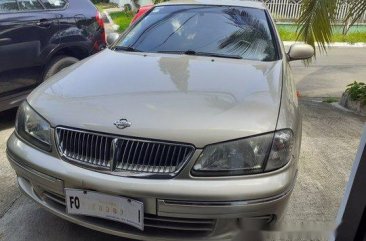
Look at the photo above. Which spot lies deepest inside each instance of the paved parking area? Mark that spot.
(8, 187)
(329, 74)
(329, 144)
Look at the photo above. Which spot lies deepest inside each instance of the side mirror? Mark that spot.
(300, 52)
(111, 38)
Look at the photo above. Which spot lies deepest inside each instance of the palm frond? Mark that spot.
(315, 22)
(356, 11)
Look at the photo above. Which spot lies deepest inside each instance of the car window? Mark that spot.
(29, 5)
(8, 6)
(54, 4)
(220, 30)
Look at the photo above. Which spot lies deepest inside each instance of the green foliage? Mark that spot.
(315, 22)
(357, 91)
(357, 10)
(330, 100)
(127, 7)
(354, 37)
(286, 34)
(103, 5)
(122, 19)
(289, 34)
(100, 1)
(159, 1)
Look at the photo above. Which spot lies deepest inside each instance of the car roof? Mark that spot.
(238, 3)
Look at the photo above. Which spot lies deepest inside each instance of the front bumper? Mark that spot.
(43, 177)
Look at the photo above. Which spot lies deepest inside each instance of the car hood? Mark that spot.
(190, 99)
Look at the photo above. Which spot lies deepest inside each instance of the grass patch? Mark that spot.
(350, 38)
(330, 100)
(288, 34)
(102, 6)
(122, 19)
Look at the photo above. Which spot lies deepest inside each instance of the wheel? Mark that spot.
(57, 64)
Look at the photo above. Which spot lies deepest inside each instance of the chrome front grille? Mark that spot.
(183, 224)
(85, 147)
(121, 154)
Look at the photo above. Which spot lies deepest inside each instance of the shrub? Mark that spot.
(127, 7)
(159, 1)
(100, 1)
(357, 91)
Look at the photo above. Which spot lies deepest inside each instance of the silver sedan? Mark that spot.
(186, 128)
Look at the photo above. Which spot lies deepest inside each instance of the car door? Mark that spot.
(26, 35)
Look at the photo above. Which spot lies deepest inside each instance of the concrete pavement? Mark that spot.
(8, 187)
(329, 74)
(329, 144)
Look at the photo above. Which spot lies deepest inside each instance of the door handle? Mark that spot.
(45, 23)
(5, 40)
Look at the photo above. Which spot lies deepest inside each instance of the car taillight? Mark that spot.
(100, 21)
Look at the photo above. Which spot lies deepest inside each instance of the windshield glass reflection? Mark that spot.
(219, 31)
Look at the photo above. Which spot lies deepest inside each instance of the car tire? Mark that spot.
(57, 64)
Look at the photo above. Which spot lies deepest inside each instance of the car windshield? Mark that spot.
(221, 31)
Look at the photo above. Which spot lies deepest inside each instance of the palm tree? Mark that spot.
(315, 22)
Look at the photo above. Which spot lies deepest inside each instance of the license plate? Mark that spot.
(120, 209)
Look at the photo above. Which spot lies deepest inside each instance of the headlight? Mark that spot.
(281, 150)
(246, 156)
(33, 128)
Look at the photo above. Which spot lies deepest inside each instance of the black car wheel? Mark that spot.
(57, 64)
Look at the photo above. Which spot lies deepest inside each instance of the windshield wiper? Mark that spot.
(191, 52)
(195, 53)
(126, 48)
(170, 52)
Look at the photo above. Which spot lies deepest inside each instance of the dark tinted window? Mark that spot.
(8, 6)
(54, 4)
(29, 5)
(221, 30)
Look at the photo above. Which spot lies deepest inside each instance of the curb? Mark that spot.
(332, 45)
(339, 107)
(334, 104)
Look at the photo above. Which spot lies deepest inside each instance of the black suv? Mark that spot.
(38, 38)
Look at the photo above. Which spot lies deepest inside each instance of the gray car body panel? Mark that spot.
(189, 99)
